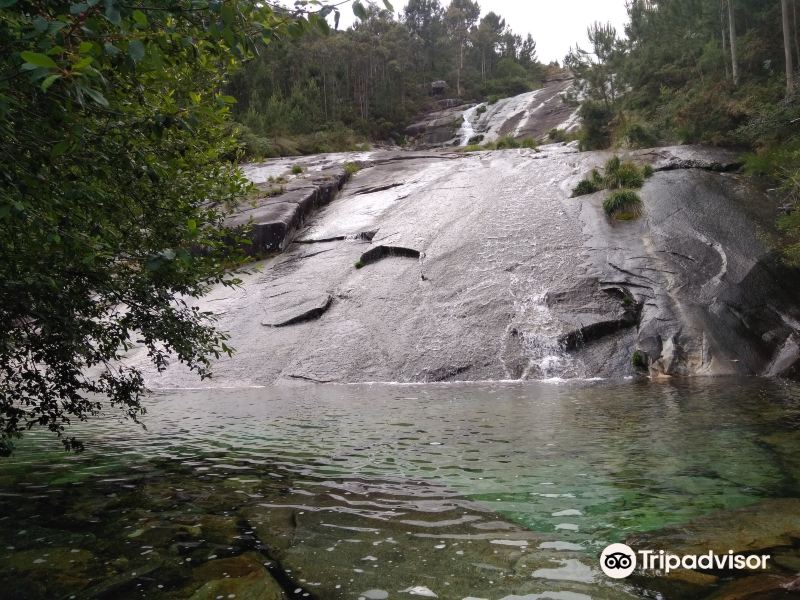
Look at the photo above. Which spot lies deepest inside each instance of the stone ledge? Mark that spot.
(271, 222)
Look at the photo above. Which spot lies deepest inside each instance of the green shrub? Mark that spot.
(482, 109)
(557, 135)
(493, 99)
(628, 175)
(475, 139)
(620, 174)
(616, 175)
(529, 143)
(584, 187)
(639, 360)
(623, 205)
(472, 148)
(612, 165)
(253, 146)
(351, 168)
(297, 169)
(595, 133)
(274, 191)
(506, 142)
(637, 135)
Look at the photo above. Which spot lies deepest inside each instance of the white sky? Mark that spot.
(554, 24)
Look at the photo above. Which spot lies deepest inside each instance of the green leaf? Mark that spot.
(336, 16)
(110, 49)
(59, 149)
(136, 50)
(227, 14)
(96, 96)
(40, 24)
(227, 99)
(227, 35)
(112, 14)
(49, 81)
(388, 5)
(55, 27)
(295, 29)
(82, 63)
(39, 60)
(140, 18)
(359, 10)
(85, 47)
(7, 3)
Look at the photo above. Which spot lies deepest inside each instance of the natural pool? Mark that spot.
(491, 490)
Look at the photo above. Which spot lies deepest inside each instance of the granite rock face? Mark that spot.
(436, 266)
(529, 115)
(271, 220)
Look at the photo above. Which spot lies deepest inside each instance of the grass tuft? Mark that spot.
(623, 205)
(351, 168)
(639, 360)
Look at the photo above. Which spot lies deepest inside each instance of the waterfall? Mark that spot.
(467, 130)
(491, 121)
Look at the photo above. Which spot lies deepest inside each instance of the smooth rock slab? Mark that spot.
(297, 310)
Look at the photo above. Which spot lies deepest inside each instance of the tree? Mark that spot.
(787, 46)
(732, 42)
(527, 53)
(595, 70)
(424, 19)
(116, 144)
(486, 38)
(460, 17)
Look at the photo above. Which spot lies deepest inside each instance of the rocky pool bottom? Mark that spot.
(501, 490)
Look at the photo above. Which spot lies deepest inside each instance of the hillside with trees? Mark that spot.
(329, 90)
(695, 71)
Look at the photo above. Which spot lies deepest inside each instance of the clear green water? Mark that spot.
(483, 490)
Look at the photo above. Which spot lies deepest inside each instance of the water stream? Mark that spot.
(467, 131)
(484, 490)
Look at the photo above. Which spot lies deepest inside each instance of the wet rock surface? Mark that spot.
(439, 127)
(271, 219)
(529, 115)
(513, 279)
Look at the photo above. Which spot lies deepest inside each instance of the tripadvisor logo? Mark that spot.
(618, 561)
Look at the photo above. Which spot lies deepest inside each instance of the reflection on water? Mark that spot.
(482, 490)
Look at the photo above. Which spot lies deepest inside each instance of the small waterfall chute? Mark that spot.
(467, 131)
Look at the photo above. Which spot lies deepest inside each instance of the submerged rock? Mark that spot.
(243, 577)
(752, 529)
(448, 549)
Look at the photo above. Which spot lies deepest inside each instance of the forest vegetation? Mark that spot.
(118, 157)
(331, 90)
(718, 72)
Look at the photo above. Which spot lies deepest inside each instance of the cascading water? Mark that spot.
(467, 131)
(531, 114)
(494, 117)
